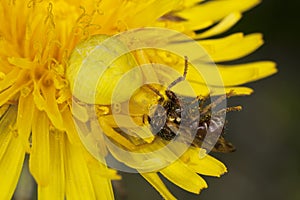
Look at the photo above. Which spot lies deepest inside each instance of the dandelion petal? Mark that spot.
(39, 158)
(55, 189)
(156, 182)
(12, 159)
(181, 175)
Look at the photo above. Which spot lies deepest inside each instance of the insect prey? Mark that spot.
(179, 115)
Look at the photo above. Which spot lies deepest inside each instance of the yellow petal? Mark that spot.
(206, 165)
(160, 7)
(24, 118)
(239, 91)
(156, 182)
(102, 186)
(55, 189)
(78, 181)
(7, 94)
(9, 49)
(232, 75)
(40, 154)
(12, 159)
(214, 11)
(51, 108)
(181, 175)
(189, 3)
(20, 62)
(99, 168)
(195, 24)
(101, 178)
(213, 46)
(11, 167)
(221, 27)
(9, 79)
(201, 89)
(243, 73)
(238, 49)
(148, 157)
(70, 126)
(7, 119)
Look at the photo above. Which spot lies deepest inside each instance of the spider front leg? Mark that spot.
(114, 135)
(156, 91)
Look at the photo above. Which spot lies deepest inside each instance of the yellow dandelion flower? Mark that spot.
(38, 109)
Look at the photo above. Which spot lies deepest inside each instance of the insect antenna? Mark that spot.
(182, 78)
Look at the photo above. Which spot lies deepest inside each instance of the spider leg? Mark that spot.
(114, 135)
(156, 92)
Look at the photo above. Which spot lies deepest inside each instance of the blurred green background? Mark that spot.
(266, 164)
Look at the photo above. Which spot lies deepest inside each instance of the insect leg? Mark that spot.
(182, 78)
(217, 102)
